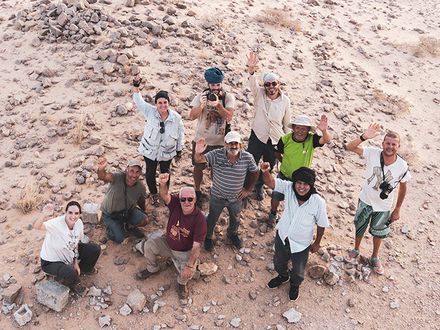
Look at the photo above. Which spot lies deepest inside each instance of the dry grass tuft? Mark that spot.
(427, 46)
(78, 133)
(30, 198)
(391, 104)
(279, 17)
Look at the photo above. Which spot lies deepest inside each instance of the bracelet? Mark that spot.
(362, 137)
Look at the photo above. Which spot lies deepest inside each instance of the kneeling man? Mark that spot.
(185, 233)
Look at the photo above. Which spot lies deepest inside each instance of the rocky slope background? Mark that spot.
(65, 99)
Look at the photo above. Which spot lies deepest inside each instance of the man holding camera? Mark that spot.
(213, 109)
(119, 212)
(386, 170)
(272, 117)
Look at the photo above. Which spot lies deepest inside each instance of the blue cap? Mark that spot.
(214, 75)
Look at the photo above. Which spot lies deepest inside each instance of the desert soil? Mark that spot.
(65, 99)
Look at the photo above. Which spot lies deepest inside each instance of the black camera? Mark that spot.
(211, 96)
(386, 189)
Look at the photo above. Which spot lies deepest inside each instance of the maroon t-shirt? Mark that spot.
(183, 230)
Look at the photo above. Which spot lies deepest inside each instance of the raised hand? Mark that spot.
(200, 146)
(265, 166)
(372, 131)
(323, 123)
(252, 62)
(137, 81)
(163, 178)
(102, 163)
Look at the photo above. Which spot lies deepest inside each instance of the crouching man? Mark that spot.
(303, 209)
(185, 233)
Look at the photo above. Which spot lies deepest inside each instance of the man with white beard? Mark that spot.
(230, 165)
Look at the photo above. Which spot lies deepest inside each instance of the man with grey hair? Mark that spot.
(230, 166)
(272, 117)
(185, 232)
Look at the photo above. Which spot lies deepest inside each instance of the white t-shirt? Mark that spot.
(61, 243)
(370, 193)
(298, 221)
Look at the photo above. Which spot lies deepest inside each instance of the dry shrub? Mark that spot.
(427, 46)
(78, 133)
(278, 17)
(391, 104)
(29, 199)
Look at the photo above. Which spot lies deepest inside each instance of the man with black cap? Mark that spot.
(213, 109)
(230, 166)
(303, 209)
(119, 212)
(272, 117)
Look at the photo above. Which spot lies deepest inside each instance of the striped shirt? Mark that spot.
(228, 179)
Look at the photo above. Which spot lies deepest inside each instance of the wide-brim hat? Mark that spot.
(301, 120)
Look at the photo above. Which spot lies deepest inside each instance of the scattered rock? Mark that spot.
(11, 292)
(292, 315)
(23, 315)
(52, 294)
(207, 268)
(104, 321)
(136, 300)
(317, 271)
(125, 310)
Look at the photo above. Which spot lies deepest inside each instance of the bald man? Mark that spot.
(182, 241)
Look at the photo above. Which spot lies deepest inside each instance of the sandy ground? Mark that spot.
(356, 61)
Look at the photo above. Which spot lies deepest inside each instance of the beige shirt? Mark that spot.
(210, 125)
(272, 117)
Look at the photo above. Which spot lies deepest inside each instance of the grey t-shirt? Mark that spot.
(114, 199)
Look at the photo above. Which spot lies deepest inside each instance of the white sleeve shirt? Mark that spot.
(297, 222)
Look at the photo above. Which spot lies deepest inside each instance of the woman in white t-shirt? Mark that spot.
(62, 254)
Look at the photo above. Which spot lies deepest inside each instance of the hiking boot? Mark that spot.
(143, 275)
(79, 290)
(293, 292)
(199, 203)
(236, 241)
(271, 220)
(134, 231)
(209, 244)
(182, 291)
(277, 281)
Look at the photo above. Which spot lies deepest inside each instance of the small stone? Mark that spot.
(207, 268)
(23, 315)
(136, 300)
(11, 293)
(331, 278)
(104, 321)
(94, 292)
(235, 322)
(122, 59)
(292, 315)
(125, 310)
(394, 304)
(317, 271)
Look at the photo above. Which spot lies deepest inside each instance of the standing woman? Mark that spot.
(62, 254)
(163, 136)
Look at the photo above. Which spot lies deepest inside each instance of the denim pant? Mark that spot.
(281, 259)
(216, 206)
(260, 149)
(115, 228)
(65, 273)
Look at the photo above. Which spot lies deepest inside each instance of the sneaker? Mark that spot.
(92, 272)
(236, 241)
(140, 246)
(271, 220)
(293, 292)
(134, 231)
(199, 203)
(143, 275)
(209, 244)
(182, 291)
(277, 281)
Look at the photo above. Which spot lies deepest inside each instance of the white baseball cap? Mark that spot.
(301, 120)
(233, 136)
(134, 162)
(270, 76)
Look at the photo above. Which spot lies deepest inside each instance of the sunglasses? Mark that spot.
(162, 127)
(268, 84)
(184, 199)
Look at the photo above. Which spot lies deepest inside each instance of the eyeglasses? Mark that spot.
(268, 84)
(184, 199)
(162, 127)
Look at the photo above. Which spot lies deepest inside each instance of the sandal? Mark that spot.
(351, 256)
(155, 200)
(376, 265)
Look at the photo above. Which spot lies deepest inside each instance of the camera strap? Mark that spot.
(382, 164)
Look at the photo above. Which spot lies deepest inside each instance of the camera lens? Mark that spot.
(383, 195)
(212, 97)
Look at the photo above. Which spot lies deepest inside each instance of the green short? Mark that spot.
(379, 226)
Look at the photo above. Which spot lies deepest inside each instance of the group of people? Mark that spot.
(236, 174)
